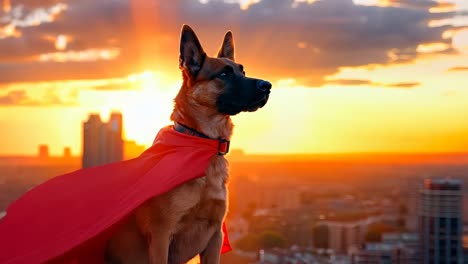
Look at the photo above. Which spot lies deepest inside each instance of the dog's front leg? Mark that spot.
(212, 252)
(158, 247)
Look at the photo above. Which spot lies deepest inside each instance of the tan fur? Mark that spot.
(186, 221)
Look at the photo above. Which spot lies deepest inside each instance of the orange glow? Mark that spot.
(355, 109)
(244, 4)
(83, 55)
(443, 7)
(61, 42)
(307, 1)
(6, 6)
(386, 3)
(432, 47)
(9, 31)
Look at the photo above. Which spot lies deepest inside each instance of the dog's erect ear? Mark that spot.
(191, 52)
(227, 48)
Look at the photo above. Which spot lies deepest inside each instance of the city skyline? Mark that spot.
(389, 76)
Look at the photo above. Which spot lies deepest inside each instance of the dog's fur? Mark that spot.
(186, 221)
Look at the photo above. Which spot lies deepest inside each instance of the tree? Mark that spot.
(248, 243)
(266, 240)
(271, 239)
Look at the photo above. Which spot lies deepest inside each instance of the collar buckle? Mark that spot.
(223, 147)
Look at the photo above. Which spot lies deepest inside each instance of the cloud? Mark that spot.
(14, 98)
(22, 98)
(422, 4)
(403, 84)
(34, 3)
(458, 68)
(105, 42)
(56, 71)
(360, 82)
(332, 33)
(22, 17)
(350, 82)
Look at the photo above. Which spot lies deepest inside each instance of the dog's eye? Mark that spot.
(224, 74)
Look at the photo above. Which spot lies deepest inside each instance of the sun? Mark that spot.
(145, 100)
(147, 108)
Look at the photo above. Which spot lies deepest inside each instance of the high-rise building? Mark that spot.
(415, 184)
(114, 138)
(102, 142)
(440, 221)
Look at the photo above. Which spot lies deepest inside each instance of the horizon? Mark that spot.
(241, 152)
(388, 78)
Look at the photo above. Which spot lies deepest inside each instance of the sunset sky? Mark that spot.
(348, 76)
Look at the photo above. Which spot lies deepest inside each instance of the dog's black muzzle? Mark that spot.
(263, 86)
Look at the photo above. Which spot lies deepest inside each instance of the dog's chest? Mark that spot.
(211, 201)
(216, 179)
(205, 217)
(208, 199)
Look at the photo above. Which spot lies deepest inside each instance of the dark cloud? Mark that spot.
(336, 33)
(56, 71)
(33, 3)
(360, 82)
(458, 68)
(331, 34)
(89, 24)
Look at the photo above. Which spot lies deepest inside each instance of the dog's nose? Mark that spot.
(263, 85)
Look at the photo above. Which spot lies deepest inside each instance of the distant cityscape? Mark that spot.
(352, 208)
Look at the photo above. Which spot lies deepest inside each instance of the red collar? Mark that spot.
(223, 145)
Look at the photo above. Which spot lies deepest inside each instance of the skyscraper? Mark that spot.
(114, 138)
(440, 221)
(102, 142)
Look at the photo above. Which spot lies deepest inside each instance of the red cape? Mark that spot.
(69, 218)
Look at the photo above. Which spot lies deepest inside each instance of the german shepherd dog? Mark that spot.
(186, 221)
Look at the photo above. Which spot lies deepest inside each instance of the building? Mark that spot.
(114, 138)
(132, 149)
(289, 256)
(440, 221)
(67, 153)
(43, 151)
(347, 235)
(395, 248)
(102, 142)
(415, 184)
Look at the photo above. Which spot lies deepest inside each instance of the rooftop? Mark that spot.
(443, 184)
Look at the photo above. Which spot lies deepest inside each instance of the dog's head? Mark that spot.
(218, 83)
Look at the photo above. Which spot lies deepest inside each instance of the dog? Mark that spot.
(187, 221)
